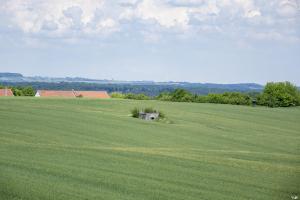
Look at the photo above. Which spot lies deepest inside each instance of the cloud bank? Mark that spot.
(254, 19)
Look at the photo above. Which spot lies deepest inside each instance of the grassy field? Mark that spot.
(92, 149)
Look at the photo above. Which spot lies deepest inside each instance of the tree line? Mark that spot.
(21, 90)
(281, 94)
(147, 89)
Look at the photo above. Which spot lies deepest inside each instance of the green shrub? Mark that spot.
(23, 91)
(162, 115)
(164, 96)
(181, 95)
(28, 91)
(117, 95)
(135, 113)
(17, 92)
(200, 99)
(178, 95)
(141, 97)
(136, 96)
(214, 98)
(281, 94)
(129, 96)
(234, 98)
(149, 110)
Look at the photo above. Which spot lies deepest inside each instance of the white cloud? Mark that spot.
(77, 18)
(165, 15)
(288, 8)
(34, 15)
(107, 26)
(252, 13)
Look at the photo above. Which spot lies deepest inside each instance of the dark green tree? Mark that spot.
(181, 95)
(281, 94)
(28, 91)
(17, 91)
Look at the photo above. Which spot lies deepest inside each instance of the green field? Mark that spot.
(92, 149)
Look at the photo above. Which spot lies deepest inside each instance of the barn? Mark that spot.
(92, 94)
(6, 92)
(55, 93)
(72, 94)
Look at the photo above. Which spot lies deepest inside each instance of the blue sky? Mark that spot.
(221, 41)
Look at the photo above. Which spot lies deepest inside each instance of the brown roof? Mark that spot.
(55, 93)
(93, 94)
(72, 93)
(6, 92)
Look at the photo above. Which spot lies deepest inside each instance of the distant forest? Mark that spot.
(147, 89)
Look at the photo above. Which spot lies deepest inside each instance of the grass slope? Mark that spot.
(92, 149)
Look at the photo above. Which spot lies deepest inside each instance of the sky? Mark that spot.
(215, 41)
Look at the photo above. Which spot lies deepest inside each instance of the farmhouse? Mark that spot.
(6, 92)
(72, 94)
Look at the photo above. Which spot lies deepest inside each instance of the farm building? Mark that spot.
(148, 116)
(6, 92)
(72, 94)
(92, 94)
(54, 93)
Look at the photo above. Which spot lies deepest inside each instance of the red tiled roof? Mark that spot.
(92, 94)
(54, 93)
(72, 94)
(6, 92)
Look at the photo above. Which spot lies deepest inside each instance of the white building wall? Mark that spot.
(37, 94)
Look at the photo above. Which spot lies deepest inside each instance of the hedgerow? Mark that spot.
(281, 94)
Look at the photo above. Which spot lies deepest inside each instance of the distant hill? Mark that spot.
(10, 75)
(147, 87)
